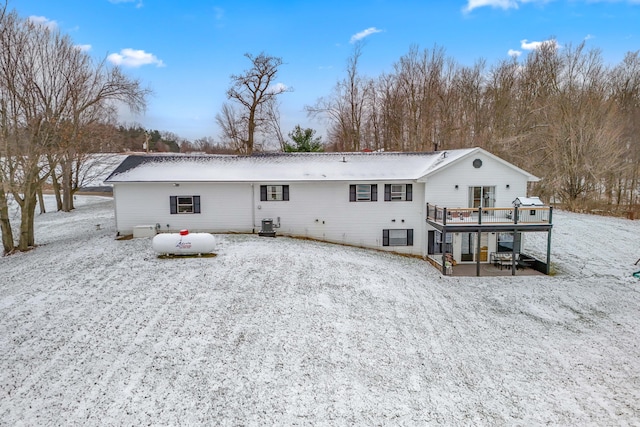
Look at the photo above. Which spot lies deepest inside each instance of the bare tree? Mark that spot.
(253, 89)
(575, 121)
(273, 129)
(345, 109)
(51, 94)
(28, 124)
(626, 92)
(234, 129)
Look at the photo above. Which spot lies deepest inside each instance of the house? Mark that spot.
(434, 205)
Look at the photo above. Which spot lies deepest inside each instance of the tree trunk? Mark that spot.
(43, 209)
(56, 190)
(27, 210)
(5, 224)
(252, 130)
(67, 186)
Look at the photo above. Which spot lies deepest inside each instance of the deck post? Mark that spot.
(478, 255)
(516, 243)
(444, 251)
(548, 269)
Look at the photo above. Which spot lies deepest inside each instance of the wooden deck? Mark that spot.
(510, 216)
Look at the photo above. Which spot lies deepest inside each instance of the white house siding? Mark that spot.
(318, 187)
(322, 210)
(319, 210)
(224, 207)
(440, 189)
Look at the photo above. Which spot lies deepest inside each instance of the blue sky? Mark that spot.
(186, 51)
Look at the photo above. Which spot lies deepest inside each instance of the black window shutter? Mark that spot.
(410, 237)
(409, 192)
(374, 192)
(352, 193)
(387, 192)
(263, 193)
(285, 192)
(385, 237)
(196, 204)
(173, 204)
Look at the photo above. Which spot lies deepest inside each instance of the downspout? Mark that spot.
(115, 208)
(253, 209)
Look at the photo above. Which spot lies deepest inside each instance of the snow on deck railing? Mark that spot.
(475, 216)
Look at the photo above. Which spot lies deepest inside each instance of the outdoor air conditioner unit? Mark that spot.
(267, 228)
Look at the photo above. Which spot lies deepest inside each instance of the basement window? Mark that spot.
(397, 237)
(184, 204)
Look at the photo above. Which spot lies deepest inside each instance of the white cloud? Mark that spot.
(41, 20)
(219, 13)
(589, 37)
(134, 58)
(362, 34)
(138, 5)
(138, 2)
(278, 88)
(83, 47)
(499, 4)
(527, 45)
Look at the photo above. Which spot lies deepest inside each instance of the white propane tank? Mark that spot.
(183, 243)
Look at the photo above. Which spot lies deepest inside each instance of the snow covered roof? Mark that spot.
(528, 201)
(283, 167)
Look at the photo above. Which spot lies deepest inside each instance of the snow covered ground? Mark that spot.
(292, 332)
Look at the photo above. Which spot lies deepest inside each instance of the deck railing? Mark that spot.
(476, 216)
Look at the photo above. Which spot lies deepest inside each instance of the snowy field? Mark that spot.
(291, 332)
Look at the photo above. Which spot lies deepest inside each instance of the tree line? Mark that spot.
(561, 113)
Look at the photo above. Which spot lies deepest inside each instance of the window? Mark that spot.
(482, 197)
(363, 193)
(403, 237)
(184, 204)
(436, 245)
(506, 242)
(398, 192)
(274, 193)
